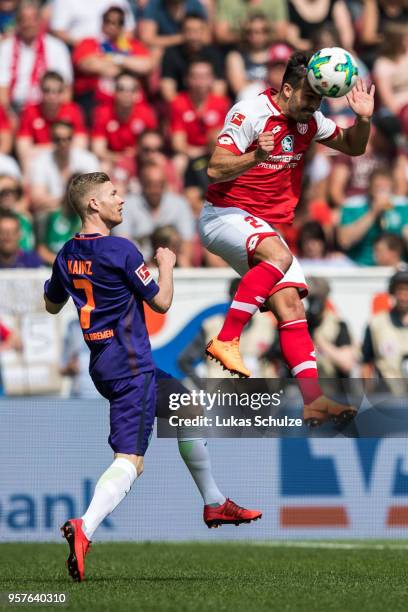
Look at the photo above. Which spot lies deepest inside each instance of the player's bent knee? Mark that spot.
(136, 460)
(273, 249)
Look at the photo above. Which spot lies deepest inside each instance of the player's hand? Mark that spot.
(361, 99)
(165, 258)
(266, 143)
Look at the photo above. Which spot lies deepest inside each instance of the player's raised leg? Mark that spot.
(270, 259)
(299, 354)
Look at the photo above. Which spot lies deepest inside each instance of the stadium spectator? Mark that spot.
(197, 115)
(12, 199)
(350, 176)
(27, 55)
(307, 16)
(161, 22)
(57, 228)
(6, 136)
(390, 74)
(51, 169)
(34, 132)
(151, 150)
(365, 217)
(78, 19)
(314, 247)
(117, 125)
(247, 63)
(376, 16)
(11, 255)
(176, 58)
(278, 55)
(9, 166)
(155, 207)
(166, 236)
(336, 356)
(231, 14)
(385, 346)
(390, 250)
(8, 10)
(255, 340)
(97, 61)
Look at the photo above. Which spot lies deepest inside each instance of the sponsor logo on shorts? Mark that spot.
(287, 144)
(143, 273)
(302, 128)
(237, 119)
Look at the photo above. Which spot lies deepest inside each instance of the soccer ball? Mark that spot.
(332, 72)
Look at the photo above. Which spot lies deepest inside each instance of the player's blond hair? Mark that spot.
(79, 190)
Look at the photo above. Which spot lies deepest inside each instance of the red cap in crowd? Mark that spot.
(279, 53)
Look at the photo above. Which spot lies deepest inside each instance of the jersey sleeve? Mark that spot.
(238, 132)
(53, 287)
(138, 276)
(326, 129)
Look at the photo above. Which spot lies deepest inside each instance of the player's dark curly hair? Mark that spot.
(296, 68)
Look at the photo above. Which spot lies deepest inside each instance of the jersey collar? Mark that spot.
(80, 236)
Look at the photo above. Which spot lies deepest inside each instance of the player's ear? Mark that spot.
(287, 90)
(93, 204)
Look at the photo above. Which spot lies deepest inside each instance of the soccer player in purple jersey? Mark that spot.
(108, 282)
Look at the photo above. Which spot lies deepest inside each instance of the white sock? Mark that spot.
(195, 455)
(111, 488)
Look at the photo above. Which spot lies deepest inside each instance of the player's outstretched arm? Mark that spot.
(166, 260)
(353, 140)
(225, 165)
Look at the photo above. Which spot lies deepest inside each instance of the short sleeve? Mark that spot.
(326, 129)
(53, 287)
(238, 132)
(138, 276)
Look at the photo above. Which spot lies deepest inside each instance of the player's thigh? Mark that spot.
(132, 411)
(233, 234)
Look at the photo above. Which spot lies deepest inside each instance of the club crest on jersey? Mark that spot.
(143, 273)
(302, 128)
(287, 144)
(237, 119)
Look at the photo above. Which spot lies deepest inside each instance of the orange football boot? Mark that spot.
(227, 354)
(323, 408)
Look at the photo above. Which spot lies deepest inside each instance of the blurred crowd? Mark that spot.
(140, 89)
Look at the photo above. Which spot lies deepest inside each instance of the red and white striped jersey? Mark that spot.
(271, 189)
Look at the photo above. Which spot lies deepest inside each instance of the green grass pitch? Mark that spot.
(207, 577)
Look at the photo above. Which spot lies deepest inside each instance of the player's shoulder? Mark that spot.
(253, 111)
(121, 246)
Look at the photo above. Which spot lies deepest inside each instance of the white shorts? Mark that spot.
(234, 234)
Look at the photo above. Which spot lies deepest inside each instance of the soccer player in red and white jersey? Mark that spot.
(256, 171)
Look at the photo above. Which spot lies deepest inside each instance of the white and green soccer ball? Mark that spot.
(332, 72)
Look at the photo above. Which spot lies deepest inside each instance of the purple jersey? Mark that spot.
(108, 281)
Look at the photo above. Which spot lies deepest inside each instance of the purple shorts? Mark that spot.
(132, 411)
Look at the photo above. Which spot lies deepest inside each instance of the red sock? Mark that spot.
(254, 288)
(299, 353)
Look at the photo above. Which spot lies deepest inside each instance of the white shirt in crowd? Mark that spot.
(44, 171)
(56, 58)
(9, 166)
(83, 18)
(139, 223)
